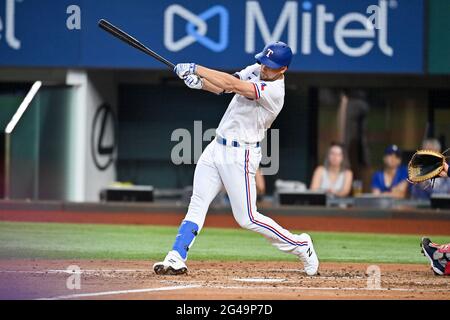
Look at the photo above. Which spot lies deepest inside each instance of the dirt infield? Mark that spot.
(107, 279)
(311, 223)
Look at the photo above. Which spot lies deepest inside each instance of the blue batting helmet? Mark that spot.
(275, 55)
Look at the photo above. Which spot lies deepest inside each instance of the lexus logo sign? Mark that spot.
(103, 137)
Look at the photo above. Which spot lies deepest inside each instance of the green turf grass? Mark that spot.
(88, 241)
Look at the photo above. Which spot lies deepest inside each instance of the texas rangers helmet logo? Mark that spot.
(269, 53)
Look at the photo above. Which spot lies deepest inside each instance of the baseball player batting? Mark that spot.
(233, 157)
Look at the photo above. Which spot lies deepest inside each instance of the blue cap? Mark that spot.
(392, 149)
(275, 55)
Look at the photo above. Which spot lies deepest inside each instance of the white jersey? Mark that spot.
(246, 120)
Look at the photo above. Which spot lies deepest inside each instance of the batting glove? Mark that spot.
(193, 81)
(185, 69)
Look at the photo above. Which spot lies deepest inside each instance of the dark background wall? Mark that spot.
(148, 114)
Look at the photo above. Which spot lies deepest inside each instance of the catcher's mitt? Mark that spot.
(425, 165)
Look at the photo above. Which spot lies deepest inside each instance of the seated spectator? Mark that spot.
(423, 191)
(333, 177)
(391, 181)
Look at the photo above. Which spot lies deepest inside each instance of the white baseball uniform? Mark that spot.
(245, 121)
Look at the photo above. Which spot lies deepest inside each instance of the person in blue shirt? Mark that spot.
(391, 181)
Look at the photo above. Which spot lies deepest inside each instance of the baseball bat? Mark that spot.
(125, 37)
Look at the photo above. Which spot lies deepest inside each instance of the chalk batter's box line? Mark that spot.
(146, 290)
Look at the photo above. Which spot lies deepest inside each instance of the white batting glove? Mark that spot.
(184, 69)
(193, 81)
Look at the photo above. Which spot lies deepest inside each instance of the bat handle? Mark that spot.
(169, 64)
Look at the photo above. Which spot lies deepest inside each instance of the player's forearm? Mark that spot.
(222, 80)
(208, 86)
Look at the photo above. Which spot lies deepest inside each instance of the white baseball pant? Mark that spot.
(234, 168)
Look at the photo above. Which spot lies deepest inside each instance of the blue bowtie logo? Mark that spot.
(196, 28)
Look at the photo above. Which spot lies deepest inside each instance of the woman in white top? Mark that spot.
(334, 177)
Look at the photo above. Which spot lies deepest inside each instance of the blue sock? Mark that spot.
(186, 233)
